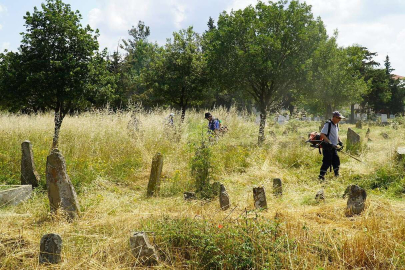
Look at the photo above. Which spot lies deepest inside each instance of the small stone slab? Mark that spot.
(259, 197)
(320, 196)
(142, 249)
(385, 135)
(29, 175)
(277, 187)
(61, 193)
(400, 152)
(223, 198)
(155, 175)
(353, 139)
(356, 200)
(50, 249)
(14, 195)
(368, 131)
(359, 124)
(189, 195)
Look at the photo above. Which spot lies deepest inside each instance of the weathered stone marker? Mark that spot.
(29, 175)
(356, 200)
(142, 249)
(50, 248)
(155, 173)
(359, 124)
(189, 195)
(400, 153)
(385, 135)
(259, 197)
(223, 198)
(277, 187)
(353, 139)
(61, 192)
(320, 196)
(368, 132)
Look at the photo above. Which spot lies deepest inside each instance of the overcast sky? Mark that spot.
(376, 24)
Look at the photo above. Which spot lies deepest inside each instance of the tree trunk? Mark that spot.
(352, 113)
(262, 137)
(183, 113)
(58, 123)
(328, 111)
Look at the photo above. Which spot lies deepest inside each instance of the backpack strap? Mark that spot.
(329, 127)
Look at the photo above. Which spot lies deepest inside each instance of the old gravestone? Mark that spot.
(356, 200)
(320, 195)
(385, 135)
(142, 249)
(61, 192)
(277, 187)
(353, 139)
(384, 118)
(359, 124)
(400, 152)
(259, 197)
(50, 248)
(155, 174)
(368, 132)
(223, 198)
(29, 175)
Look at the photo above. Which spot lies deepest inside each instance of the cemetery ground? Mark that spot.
(109, 163)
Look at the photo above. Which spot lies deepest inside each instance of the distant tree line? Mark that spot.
(268, 56)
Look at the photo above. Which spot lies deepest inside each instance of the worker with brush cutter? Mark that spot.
(331, 141)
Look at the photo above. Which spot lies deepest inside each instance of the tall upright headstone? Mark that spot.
(384, 118)
(259, 197)
(29, 175)
(277, 187)
(223, 198)
(61, 193)
(50, 249)
(155, 174)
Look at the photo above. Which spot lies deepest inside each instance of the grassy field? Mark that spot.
(109, 164)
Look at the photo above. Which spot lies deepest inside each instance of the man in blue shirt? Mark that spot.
(330, 136)
(213, 123)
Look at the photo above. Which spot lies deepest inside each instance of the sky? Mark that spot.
(378, 25)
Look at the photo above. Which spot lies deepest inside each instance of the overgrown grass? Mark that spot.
(109, 164)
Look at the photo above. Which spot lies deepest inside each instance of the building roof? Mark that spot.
(397, 77)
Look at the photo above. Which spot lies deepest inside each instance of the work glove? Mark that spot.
(340, 144)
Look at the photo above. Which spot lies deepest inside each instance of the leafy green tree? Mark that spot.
(397, 89)
(263, 50)
(177, 76)
(334, 81)
(58, 65)
(139, 54)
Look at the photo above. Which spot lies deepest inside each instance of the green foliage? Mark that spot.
(201, 170)
(263, 50)
(333, 80)
(252, 244)
(177, 75)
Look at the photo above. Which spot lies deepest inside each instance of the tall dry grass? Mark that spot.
(109, 164)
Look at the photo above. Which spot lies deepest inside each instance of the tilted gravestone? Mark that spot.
(155, 174)
(353, 140)
(29, 175)
(61, 193)
(259, 197)
(277, 187)
(223, 198)
(142, 249)
(356, 200)
(50, 249)
(368, 132)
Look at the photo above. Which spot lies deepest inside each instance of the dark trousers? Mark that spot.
(330, 158)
